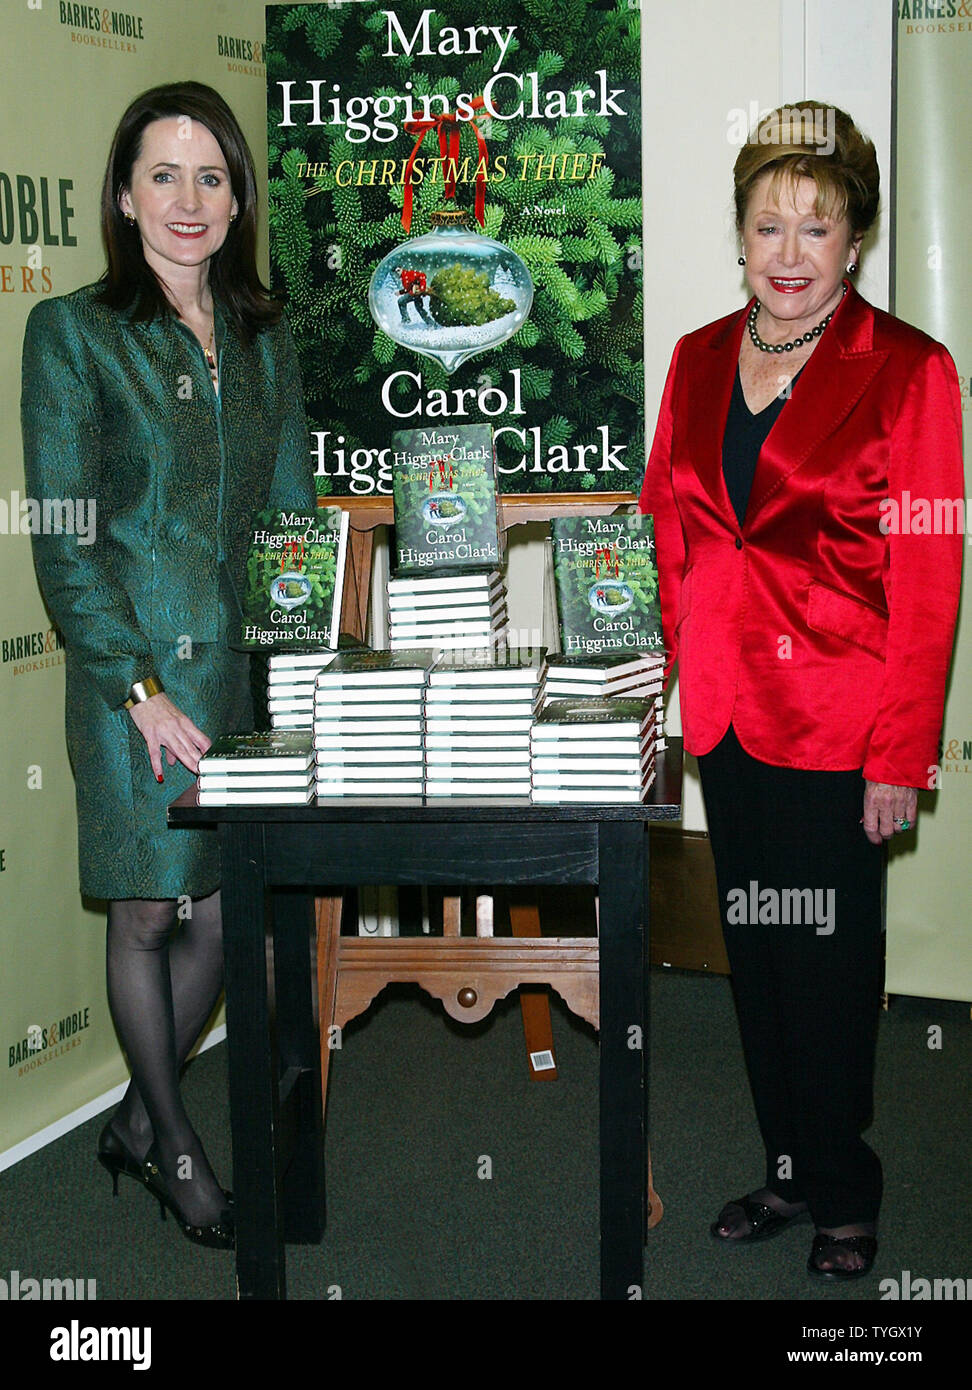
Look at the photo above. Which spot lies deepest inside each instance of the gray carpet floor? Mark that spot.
(417, 1103)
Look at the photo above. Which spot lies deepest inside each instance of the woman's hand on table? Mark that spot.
(163, 725)
(888, 810)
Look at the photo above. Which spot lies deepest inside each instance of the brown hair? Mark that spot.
(129, 282)
(817, 142)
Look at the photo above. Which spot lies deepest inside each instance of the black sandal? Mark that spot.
(865, 1246)
(764, 1222)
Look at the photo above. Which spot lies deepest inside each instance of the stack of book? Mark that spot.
(290, 687)
(259, 769)
(368, 723)
(603, 676)
(447, 612)
(592, 750)
(478, 713)
(448, 592)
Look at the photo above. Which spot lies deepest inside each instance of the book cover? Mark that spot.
(270, 751)
(295, 579)
(444, 489)
(606, 582)
(456, 222)
(500, 666)
(369, 667)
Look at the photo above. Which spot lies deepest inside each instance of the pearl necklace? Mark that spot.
(797, 342)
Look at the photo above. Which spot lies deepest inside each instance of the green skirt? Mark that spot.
(125, 848)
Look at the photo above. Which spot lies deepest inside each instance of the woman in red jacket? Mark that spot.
(813, 627)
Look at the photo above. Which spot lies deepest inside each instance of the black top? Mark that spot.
(744, 437)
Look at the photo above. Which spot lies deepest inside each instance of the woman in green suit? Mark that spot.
(168, 398)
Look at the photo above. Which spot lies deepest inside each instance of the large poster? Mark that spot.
(929, 880)
(455, 223)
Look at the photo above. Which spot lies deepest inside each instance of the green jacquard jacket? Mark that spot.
(125, 414)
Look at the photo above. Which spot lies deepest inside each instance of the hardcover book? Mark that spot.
(593, 719)
(435, 603)
(500, 666)
(474, 586)
(294, 579)
(261, 798)
(445, 499)
(367, 668)
(606, 582)
(258, 752)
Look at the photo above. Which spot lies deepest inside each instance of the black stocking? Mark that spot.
(160, 996)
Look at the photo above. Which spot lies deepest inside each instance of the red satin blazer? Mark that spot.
(822, 628)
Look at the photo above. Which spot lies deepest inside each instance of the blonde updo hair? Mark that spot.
(814, 141)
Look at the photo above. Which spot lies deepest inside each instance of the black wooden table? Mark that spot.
(274, 859)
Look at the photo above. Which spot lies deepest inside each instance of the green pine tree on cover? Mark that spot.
(580, 352)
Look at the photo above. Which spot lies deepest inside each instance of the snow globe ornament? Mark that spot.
(451, 293)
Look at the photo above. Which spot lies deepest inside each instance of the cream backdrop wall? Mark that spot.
(68, 72)
(63, 84)
(930, 878)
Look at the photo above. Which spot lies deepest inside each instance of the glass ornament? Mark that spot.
(451, 293)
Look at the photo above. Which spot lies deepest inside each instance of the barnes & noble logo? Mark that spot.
(40, 1045)
(101, 20)
(240, 50)
(35, 650)
(935, 16)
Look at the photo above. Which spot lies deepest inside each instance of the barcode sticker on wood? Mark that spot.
(542, 1061)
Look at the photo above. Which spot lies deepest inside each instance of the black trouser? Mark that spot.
(807, 991)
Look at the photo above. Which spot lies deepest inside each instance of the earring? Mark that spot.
(852, 268)
(232, 216)
(129, 219)
(741, 260)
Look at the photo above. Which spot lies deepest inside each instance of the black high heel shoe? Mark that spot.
(115, 1155)
(217, 1236)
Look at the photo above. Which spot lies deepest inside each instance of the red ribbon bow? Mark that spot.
(608, 554)
(441, 465)
(450, 129)
(294, 550)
